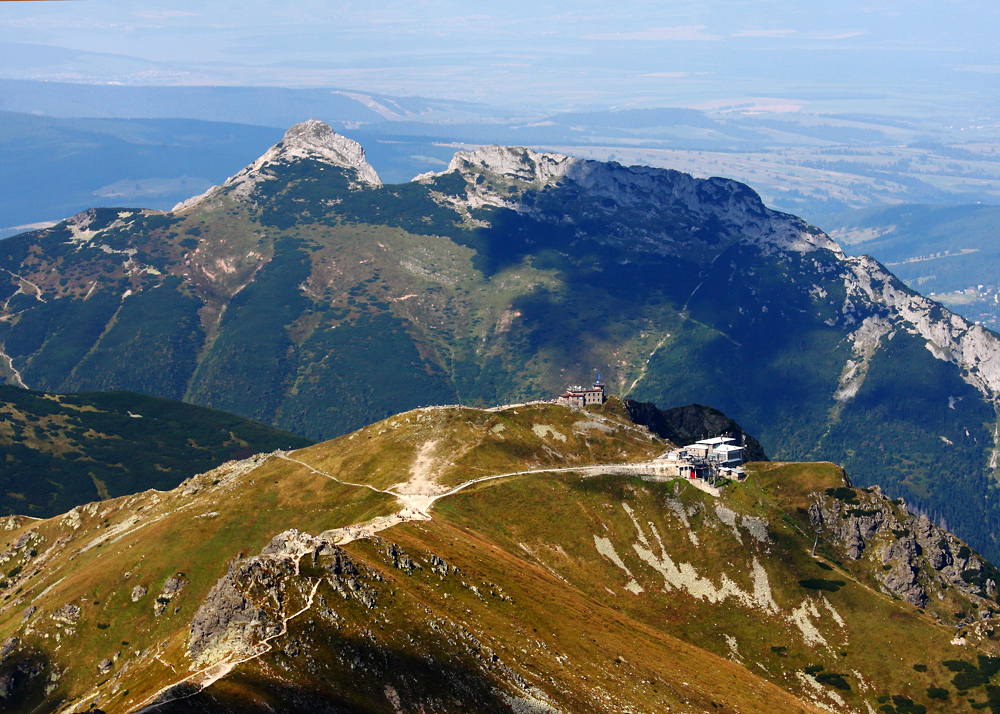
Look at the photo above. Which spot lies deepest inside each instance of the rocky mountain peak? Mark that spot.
(514, 163)
(314, 139)
(311, 139)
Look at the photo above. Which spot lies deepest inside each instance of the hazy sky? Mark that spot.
(580, 53)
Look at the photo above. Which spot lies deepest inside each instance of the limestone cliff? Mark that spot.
(909, 556)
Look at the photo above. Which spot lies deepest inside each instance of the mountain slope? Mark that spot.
(298, 581)
(99, 445)
(691, 423)
(304, 293)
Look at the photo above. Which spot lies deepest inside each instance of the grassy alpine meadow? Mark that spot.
(319, 577)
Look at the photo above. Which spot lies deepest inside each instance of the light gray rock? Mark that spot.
(245, 605)
(309, 140)
(912, 557)
(68, 614)
(173, 585)
(8, 647)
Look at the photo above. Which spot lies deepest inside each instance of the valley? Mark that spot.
(945, 252)
(64, 450)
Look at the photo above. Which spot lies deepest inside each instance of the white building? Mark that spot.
(723, 451)
(697, 450)
(719, 450)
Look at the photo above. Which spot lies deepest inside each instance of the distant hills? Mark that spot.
(53, 168)
(307, 294)
(67, 147)
(62, 450)
(261, 106)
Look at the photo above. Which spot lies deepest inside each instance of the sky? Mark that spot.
(557, 55)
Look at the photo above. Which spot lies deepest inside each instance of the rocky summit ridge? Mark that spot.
(739, 211)
(311, 139)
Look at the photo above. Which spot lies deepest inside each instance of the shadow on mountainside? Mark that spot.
(353, 676)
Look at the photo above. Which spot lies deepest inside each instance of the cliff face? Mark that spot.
(909, 557)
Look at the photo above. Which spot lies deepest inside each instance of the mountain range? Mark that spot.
(305, 293)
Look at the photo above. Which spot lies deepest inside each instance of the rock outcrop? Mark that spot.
(247, 605)
(309, 140)
(19, 678)
(912, 558)
(9, 645)
(242, 609)
(68, 614)
(685, 425)
(173, 586)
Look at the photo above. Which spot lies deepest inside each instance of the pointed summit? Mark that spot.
(309, 140)
(314, 139)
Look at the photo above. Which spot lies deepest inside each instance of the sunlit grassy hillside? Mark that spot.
(318, 580)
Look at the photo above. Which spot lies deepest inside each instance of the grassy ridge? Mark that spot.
(457, 444)
(592, 594)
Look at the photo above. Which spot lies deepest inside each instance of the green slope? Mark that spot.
(63, 450)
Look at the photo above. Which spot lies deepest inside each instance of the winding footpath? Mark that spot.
(417, 506)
